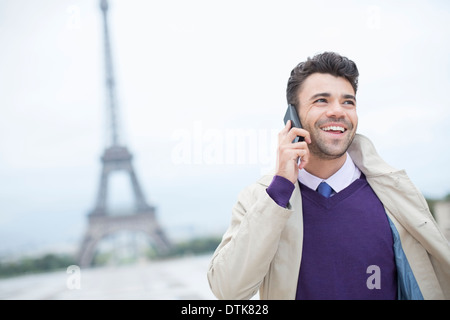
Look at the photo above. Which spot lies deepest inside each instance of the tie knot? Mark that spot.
(324, 189)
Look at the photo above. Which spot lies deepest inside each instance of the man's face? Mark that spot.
(327, 109)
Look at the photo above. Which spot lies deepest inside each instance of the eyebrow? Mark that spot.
(327, 95)
(349, 96)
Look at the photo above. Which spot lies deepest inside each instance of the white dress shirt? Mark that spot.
(338, 181)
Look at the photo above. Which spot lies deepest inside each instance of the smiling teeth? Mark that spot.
(334, 128)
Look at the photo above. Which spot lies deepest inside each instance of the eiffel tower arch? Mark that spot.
(117, 157)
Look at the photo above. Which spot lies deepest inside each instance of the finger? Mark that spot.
(289, 153)
(294, 148)
(299, 145)
(303, 161)
(284, 131)
(287, 126)
(294, 132)
(299, 155)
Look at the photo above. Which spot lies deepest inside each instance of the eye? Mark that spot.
(349, 102)
(321, 101)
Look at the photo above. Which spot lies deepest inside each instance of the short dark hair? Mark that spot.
(327, 62)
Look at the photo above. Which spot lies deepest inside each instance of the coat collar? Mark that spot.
(366, 157)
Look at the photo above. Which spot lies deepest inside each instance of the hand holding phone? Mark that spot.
(292, 156)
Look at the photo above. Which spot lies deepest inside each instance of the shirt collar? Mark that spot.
(338, 181)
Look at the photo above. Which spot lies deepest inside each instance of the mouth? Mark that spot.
(334, 129)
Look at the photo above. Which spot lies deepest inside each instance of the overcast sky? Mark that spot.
(201, 95)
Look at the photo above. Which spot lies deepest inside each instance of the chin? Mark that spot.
(333, 151)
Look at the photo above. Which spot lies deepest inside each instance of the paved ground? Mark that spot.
(178, 279)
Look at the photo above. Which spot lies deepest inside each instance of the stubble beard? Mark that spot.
(324, 148)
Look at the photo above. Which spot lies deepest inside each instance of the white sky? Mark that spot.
(194, 80)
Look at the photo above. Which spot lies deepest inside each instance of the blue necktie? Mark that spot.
(324, 189)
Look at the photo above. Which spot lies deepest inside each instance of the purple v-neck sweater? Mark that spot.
(347, 245)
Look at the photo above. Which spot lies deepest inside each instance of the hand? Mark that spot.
(288, 152)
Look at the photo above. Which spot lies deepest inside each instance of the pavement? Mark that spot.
(175, 279)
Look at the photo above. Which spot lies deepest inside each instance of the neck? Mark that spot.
(324, 168)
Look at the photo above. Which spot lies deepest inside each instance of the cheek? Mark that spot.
(353, 116)
(309, 117)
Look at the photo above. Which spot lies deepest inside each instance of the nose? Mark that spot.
(335, 110)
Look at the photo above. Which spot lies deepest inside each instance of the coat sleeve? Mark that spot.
(242, 259)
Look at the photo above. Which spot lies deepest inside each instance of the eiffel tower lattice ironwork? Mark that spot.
(116, 157)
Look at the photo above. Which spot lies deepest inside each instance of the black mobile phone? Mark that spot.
(291, 114)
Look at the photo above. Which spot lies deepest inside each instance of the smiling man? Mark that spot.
(334, 221)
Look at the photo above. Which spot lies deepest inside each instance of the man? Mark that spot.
(370, 235)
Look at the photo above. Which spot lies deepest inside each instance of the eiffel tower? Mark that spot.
(117, 157)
